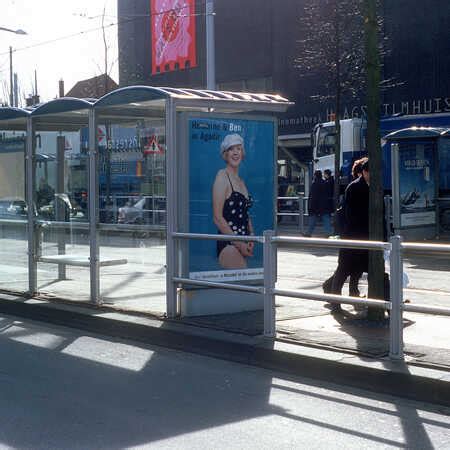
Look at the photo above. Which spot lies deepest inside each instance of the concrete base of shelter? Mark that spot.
(206, 302)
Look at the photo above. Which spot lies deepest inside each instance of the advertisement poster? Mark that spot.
(417, 185)
(173, 35)
(231, 191)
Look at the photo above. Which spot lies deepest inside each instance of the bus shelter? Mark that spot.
(112, 180)
(420, 164)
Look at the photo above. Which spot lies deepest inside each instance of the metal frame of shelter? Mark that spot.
(128, 102)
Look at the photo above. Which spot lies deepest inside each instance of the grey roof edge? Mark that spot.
(142, 93)
(61, 105)
(418, 132)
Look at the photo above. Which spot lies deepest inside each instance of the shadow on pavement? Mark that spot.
(78, 391)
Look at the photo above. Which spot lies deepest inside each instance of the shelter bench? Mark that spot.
(80, 260)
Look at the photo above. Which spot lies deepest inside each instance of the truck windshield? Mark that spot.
(326, 141)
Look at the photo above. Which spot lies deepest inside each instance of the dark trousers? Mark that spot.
(353, 288)
(350, 263)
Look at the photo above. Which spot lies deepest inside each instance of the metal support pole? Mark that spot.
(301, 224)
(269, 258)
(388, 214)
(210, 47)
(60, 206)
(94, 265)
(171, 208)
(396, 213)
(396, 315)
(30, 200)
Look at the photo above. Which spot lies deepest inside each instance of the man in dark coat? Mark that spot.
(356, 206)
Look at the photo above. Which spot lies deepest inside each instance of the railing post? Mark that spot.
(300, 214)
(269, 262)
(396, 315)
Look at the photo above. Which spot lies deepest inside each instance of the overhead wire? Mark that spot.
(118, 23)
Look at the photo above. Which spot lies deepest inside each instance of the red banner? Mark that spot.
(173, 35)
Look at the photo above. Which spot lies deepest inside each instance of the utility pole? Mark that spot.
(35, 83)
(105, 47)
(11, 82)
(16, 91)
(11, 86)
(210, 46)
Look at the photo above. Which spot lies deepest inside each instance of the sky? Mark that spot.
(63, 41)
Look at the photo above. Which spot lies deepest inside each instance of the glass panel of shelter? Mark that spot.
(132, 211)
(61, 191)
(13, 208)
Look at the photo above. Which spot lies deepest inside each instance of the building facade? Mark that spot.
(257, 43)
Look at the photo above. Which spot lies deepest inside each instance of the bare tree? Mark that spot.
(332, 50)
(342, 47)
(376, 262)
(5, 93)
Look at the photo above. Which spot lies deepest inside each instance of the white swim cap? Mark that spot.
(229, 141)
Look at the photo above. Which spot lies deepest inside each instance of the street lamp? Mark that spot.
(11, 91)
(19, 31)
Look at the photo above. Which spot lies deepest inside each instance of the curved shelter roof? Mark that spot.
(140, 99)
(139, 96)
(65, 113)
(8, 113)
(61, 105)
(13, 118)
(417, 132)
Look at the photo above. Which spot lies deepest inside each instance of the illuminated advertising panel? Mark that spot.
(231, 191)
(173, 35)
(417, 184)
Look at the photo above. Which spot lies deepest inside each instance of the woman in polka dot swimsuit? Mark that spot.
(231, 203)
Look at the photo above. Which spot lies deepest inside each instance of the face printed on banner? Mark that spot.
(234, 155)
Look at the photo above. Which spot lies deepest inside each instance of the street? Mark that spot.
(65, 389)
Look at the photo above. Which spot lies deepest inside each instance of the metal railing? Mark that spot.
(395, 306)
(300, 210)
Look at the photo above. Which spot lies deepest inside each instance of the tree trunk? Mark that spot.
(337, 117)
(376, 261)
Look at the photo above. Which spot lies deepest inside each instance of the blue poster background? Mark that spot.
(257, 171)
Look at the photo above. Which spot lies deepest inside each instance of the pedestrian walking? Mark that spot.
(318, 206)
(354, 276)
(356, 206)
(329, 190)
(356, 211)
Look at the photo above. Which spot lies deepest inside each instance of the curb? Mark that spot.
(377, 375)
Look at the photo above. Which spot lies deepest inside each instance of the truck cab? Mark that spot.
(352, 146)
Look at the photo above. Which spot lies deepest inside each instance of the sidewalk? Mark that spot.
(343, 349)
